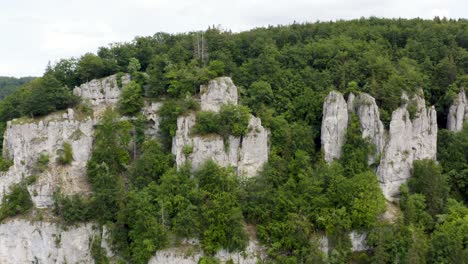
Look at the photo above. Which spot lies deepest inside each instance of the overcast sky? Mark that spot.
(34, 32)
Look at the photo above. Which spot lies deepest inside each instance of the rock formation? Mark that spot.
(334, 124)
(150, 111)
(408, 140)
(26, 140)
(190, 253)
(218, 92)
(371, 126)
(102, 91)
(246, 154)
(41, 242)
(458, 112)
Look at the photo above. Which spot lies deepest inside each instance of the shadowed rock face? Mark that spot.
(458, 112)
(247, 154)
(334, 124)
(407, 140)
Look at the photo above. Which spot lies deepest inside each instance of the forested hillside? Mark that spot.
(10, 84)
(283, 74)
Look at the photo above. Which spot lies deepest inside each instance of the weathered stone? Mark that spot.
(25, 142)
(246, 154)
(102, 91)
(458, 112)
(334, 124)
(371, 126)
(358, 241)
(190, 253)
(152, 116)
(409, 140)
(218, 92)
(43, 242)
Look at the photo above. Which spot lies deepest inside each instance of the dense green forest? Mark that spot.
(283, 74)
(10, 84)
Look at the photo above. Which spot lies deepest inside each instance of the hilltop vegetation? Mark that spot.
(8, 85)
(284, 74)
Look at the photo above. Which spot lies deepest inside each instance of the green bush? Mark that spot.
(72, 209)
(16, 202)
(67, 156)
(5, 164)
(207, 123)
(97, 252)
(131, 99)
(234, 119)
(42, 162)
(231, 120)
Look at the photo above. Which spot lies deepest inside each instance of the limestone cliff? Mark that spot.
(407, 139)
(42, 242)
(458, 112)
(334, 123)
(102, 91)
(246, 154)
(26, 140)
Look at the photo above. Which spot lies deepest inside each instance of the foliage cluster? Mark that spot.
(231, 120)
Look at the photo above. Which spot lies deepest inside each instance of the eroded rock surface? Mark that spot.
(334, 124)
(26, 140)
(409, 140)
(190, 253)
(458, 112)
(41, 242)
(218, 92)
(371, 126)
(152, 116)
(102, 91)
(246, 154)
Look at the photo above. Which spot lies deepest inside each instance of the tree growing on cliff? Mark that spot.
(131, 100)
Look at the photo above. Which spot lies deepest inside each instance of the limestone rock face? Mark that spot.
(409, 140)
(152, 116)
(358, 241)
(254, 253)
(25, 142)
(41, 242)
(246, 154)
(334, 124)
(458, 112)
(102, 91)
(371, 126)
(218, 92)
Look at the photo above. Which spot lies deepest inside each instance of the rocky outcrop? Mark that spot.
(218, 92)
(26, 140)
(150, 111)
(358, 241)
(190, 253)
(409, 140)
(371, 126)
(40, 242)
(458, 112)
(102, 91)
(334, 124)
(246, 154)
